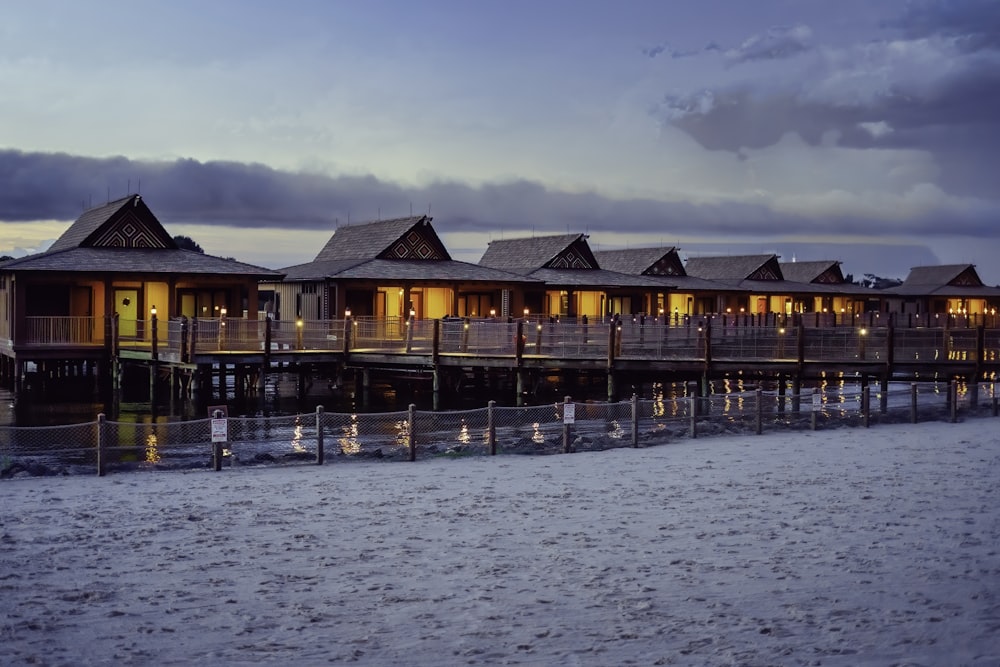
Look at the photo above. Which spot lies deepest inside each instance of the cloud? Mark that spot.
(934, 87)
(777, 43)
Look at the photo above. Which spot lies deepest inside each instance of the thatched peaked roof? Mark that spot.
(957, 280)
(641, 261)
(524, 255)
(123, 223)
(124, 236)
(735, 268)
(400, 238)
(955, 275)
(823, 272)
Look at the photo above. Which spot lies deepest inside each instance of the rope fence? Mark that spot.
(564, 427)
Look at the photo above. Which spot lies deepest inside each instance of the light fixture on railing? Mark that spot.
(413, 313)
(347, 312)
(222, 312)
(526, 311)
(152, 311)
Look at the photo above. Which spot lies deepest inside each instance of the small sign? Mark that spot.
(569, 413)
(817, 403)
(220, 430)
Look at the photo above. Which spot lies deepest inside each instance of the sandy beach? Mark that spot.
(849, 547)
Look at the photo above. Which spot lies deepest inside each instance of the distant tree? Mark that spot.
(4, 258)
(188, 243)
(872, 281)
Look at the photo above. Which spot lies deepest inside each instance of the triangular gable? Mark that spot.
(769, 270)
(420, 242)
(832, 276)
(576, 255)
(130, 229)
(668, 265)
(123, 223)
(967, 278)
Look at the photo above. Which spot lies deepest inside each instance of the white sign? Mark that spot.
(817, 405)
(220, 430)
(569, 413)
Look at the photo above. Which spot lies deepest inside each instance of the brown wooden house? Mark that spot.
(389, 269)
(951, 289)
(572, 281)
(114, 260)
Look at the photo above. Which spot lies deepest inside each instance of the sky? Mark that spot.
(859, 131)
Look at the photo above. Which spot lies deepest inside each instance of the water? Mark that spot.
(281, 398)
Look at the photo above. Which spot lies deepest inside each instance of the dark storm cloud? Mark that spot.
(951, 111)
(42, 186)
(974, 24)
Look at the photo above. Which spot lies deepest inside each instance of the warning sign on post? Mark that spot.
(220, 430)
(569, 413)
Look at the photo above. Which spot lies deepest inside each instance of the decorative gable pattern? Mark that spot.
(967, 278)
(668, 265)
(415, 244)
(575, 256)
(767, 271)
(128, 231)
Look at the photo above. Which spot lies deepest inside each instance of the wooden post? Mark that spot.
(491, 427)
(464, 345)
(865, 407)
(817, 405)
(759, 426)
(635, 421)
(953, 393)
(913, 402)
(101, 444)
(410, 323)
(319, 435)
(996, 402)
(217, 447)
(693, 413)
(194, 338)
(348, 333)
(567, 432)
(411, 424)
(538, 338)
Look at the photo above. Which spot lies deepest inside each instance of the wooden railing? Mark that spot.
(710, 340)
(69, 331)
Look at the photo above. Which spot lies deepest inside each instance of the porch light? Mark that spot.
(863, 332)
(222, 312)
(781, 331)
(152, 311)
(493, 312)
(413, 313)
(347, 312)
(298, 323)
(526, 312)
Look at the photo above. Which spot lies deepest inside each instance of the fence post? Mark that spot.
(865, 408)
(567, 434)
(411, 423)
(635, 420)
(953, 393)
(217, 446)
(319, 435)
(996, 406)
(760, 410)
(692, 411)
(817, 405)
(101, 444)
(491, 427)
(913, 402)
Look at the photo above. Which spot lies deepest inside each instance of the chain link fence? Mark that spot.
(410, 435)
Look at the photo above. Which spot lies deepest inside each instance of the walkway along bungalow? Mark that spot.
(107, 279)
(575, 285)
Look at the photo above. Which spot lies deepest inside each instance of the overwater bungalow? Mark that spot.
(757, 286)
(951, 289)
(570, 280)
(688, 295)
(826, 291)
(115, 266)
(390, 270)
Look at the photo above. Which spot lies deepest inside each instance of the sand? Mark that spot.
(850, 547)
